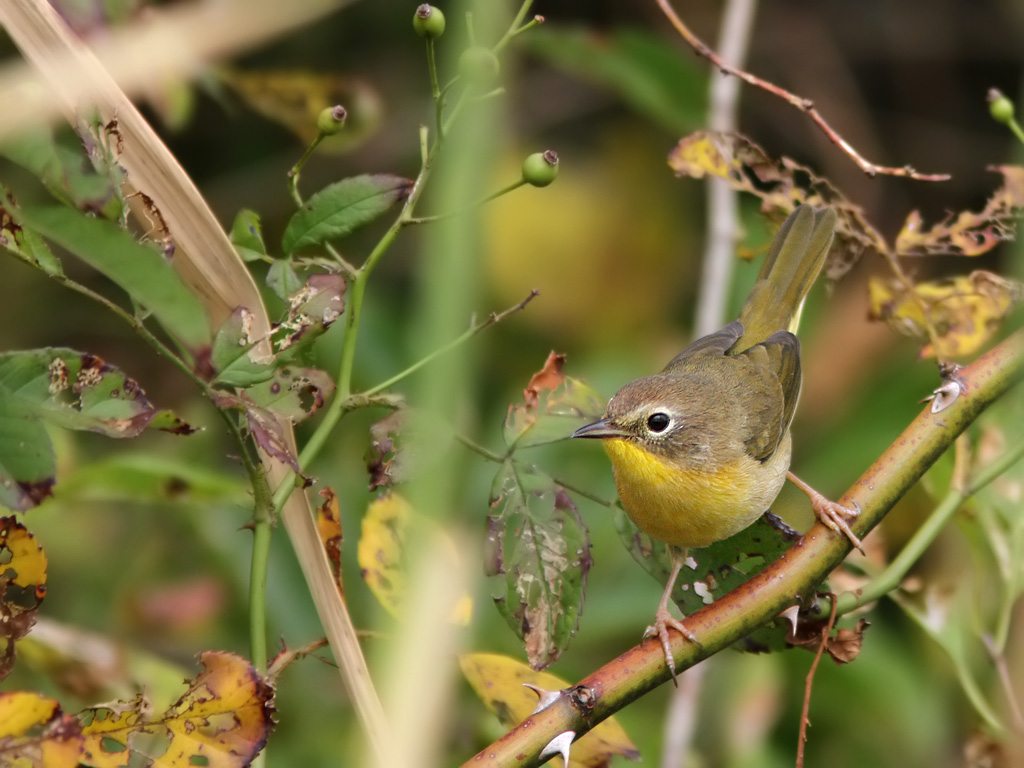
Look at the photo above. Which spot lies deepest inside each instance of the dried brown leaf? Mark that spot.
(782, 185)
(968, 233)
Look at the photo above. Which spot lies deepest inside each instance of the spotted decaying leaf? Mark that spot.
(501, 683)
(288, 396)
(782, 185)
(553, 406)
(965, 311)
(312, 310)
(538, 543)
(328, 526)
(222, 721)
(34, 732)
(710, 572)
(968, 233)
(22, 586)
(382, 552)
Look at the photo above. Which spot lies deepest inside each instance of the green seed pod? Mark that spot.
(428, 22)
(1000, 107)
(479, 66)
(331, 120)
(540, 168)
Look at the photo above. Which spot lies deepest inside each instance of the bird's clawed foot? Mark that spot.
(663, 621)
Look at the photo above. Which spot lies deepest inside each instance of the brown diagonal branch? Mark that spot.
(804, 105)
(776, 588)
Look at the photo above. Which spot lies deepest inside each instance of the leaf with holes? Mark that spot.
(229, 355)
(223, 720)
(539, 544)
(22, 586)
(341, 207)
(312, 309)
(782, 185)
(35, 733)
(712, 571)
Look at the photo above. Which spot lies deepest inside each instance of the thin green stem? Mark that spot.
(481, 202)
(470, 332)
(258, 575)
(435, 89)
(1015, 127)
(516, 27)
(293, 174)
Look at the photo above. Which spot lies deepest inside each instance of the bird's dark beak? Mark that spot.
(602, 430)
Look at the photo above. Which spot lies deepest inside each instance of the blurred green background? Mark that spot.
(613, 247)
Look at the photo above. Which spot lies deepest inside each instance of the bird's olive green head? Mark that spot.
(664, 414)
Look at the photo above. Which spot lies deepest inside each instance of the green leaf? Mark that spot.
(293, 393)
(76, 179)
(230, 353)
(538, 542)
(282, 279)
(649, 72)
(27, 464)
(712, 571)
(25, 243)
(76, 390)
(139, 269)
(338, 209)
(247, 236)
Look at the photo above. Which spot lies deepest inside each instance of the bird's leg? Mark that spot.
(829, 512)
(663, 620)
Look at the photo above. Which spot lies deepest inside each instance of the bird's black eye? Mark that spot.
(658, 422)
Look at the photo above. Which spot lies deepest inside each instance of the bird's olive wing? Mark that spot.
(773, 394)
(717, 343)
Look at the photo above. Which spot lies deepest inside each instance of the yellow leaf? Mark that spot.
(381, 553)
(222, 721)
(500, 681)
(27, 560)
(965, 311)
(328, 526)
(34, 732)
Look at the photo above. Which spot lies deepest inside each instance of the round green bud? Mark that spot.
(1000, 107)
(479, 66)
(331, 120)
(540, 168)
(428, 22)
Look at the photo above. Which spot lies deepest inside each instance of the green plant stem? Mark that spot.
(293, 174)
(481, 202)
(435, 89)
(263, 511)
(472, 331)
(762, 598)
(1015, 127)
(516, 27)
(893, 575)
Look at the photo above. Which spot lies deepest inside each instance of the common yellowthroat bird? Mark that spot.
(702, 449)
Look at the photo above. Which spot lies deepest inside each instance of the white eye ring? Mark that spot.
(658, 422)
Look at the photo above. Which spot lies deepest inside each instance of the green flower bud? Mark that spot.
(479, 66)
(331, 120)
(1000, 107)
(428, 22)
(540, 168)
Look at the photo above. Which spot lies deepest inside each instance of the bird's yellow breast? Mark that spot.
(694, 506)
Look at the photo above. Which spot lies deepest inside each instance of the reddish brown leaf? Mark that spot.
(328, 525)
(547, 378)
